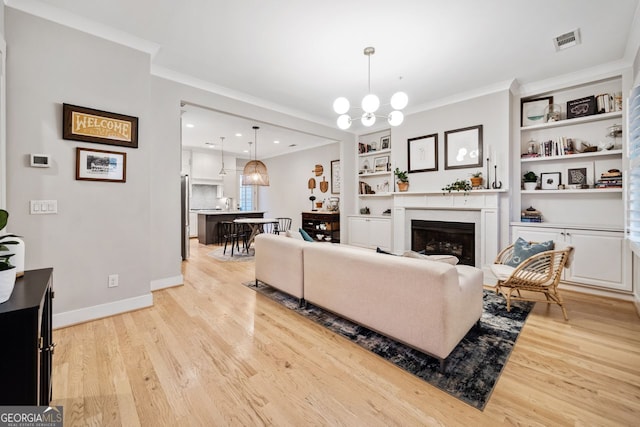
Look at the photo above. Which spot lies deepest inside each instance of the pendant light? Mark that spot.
(255, 172)
(222, 171)
(370, 104)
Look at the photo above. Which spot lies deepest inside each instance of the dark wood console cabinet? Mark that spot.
(27, 341)
(325, 224)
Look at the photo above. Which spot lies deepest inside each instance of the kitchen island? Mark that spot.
(208, 222)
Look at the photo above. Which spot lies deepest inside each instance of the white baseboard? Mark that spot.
(167, 282)
(82, 315)
(595, 291)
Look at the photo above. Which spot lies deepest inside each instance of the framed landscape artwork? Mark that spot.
(100, 165)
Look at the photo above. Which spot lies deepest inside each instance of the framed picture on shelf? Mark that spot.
(533, 110)
(463, 148)
(385, 142)
(380, 164)
(422, 153)
(580, 175)
(550, 180)
(581, 107)
(100, 165)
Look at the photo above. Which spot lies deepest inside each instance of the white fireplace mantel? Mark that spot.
(484, 202)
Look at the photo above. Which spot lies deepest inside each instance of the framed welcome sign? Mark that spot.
(101, 127)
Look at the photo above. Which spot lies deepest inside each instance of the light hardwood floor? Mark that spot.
(215, 353)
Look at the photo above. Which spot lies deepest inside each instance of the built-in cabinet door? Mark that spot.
(380, 233)
(359, 232)
(598, 258)
(370, 232)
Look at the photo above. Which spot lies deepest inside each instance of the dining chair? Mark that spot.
(233, 233)
(283, 225)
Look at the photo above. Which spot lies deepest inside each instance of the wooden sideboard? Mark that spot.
(27, 341)
(324, 224)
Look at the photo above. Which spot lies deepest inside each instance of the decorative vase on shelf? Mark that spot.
(403, 186)
(7, 282)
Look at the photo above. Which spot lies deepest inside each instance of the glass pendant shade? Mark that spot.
(370, 103)
(395, 118)
(344, 122)
(341, 105)
(368, 119)
(399, 100)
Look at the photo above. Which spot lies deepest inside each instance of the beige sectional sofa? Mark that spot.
(425, 304)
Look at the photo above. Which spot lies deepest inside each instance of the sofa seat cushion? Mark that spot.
(449, 259)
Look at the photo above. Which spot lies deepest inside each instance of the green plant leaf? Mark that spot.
(4, 217)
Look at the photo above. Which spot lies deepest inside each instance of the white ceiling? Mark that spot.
(297, 56)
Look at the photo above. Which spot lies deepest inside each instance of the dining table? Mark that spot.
(256, 225)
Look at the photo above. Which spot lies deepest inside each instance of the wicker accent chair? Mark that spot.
(539, 273)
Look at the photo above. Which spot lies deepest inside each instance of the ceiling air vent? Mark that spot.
(567, 40)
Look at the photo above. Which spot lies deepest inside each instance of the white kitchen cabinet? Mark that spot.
(600, 256)
(193, 224)
(370, 232)
(205, 166)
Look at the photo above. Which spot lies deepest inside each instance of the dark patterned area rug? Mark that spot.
(473, 367)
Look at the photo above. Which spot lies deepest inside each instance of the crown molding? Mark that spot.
(599, 72)
(188, 80)
(463, 96)
(71, 20)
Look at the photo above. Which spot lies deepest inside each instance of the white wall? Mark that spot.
(132, 229)
(101, 228)
(288, 195)
(492, 111)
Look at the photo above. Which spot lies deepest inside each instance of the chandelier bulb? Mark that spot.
(370, 103)
(344, 122)
(341, 105)
(395, 118)
(368, 119)
(399, 100)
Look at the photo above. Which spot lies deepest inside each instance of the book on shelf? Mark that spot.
(527, 219)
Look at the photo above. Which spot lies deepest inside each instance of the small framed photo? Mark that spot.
(463, 148)
(550, 180)
(423, 153)
(533, 110)
(100, 165)
(380, 164)
(385, 142)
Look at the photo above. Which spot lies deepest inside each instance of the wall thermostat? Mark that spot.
(40, 161)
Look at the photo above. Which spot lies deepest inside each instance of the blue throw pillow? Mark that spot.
(305, 235)
(523, 250)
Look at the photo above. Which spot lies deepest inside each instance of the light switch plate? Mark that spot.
(43, 207)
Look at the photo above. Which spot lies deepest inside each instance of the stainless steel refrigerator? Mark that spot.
(184, 215)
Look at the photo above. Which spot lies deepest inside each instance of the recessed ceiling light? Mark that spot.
(190, 125)
(276, 142)
(210, 144)
(238, 134)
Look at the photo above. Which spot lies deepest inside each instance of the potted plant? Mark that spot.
(476, 179)
(402, 179)
(7, 270)
(530, 180)
(458, 185)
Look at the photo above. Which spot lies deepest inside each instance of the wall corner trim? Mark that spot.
(87, 314)
(167, 282)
